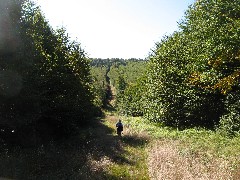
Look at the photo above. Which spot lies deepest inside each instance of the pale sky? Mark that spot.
(116, 28)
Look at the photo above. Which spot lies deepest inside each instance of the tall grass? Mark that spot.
(145, 151)
(189, 154)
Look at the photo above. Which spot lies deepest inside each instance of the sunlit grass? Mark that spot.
(145, 151)
(132, 162)
(188, 154)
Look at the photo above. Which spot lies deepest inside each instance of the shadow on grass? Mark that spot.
(85, 156)
(135, 141)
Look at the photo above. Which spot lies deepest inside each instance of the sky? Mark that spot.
(116, 28)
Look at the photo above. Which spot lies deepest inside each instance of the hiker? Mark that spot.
(119, 126)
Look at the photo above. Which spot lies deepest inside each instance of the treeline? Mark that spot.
(49, 88)
(99, 62)
(46, 89)
(117, 73)
(193, 75)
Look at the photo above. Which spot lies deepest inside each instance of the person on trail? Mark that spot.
(119, 126)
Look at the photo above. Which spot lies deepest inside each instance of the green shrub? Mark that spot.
(230, 121)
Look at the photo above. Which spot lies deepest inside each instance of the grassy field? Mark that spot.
(189, 154)
(145, 151)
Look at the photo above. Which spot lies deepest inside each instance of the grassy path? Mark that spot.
(189, 154)
(95, 153)
(145, 151)
(126, 156)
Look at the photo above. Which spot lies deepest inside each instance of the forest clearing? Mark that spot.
(180, 105)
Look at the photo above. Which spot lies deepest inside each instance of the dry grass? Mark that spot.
(99, 165)
(166, 161)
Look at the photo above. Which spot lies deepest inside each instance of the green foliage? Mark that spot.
(192, 71)
(52, 76)
(129, 89)
(106, 73)
(130, 69)
(230, 121)
(133, 99)
(120, 86)
(122, 75)
(99, 85)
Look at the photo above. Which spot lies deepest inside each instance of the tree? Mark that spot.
(193, 70)
(52, 75)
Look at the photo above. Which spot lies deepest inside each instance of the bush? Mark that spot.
(230, 121)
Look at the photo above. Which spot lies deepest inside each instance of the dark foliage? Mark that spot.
(45, 83)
